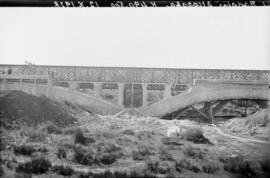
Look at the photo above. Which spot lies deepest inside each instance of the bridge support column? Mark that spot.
(121, 94)
(144, 97)
(98, 90)
(168, 93)
(209, 111)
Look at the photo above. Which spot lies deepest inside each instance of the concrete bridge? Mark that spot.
(210, 90)
(154, 92)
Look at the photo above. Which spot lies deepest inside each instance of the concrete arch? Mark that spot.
(91, 103)
(205, 91)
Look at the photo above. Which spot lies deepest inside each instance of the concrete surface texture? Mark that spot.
(90, 103)
(209, 91)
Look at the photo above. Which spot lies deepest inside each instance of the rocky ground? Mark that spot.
(89, 145)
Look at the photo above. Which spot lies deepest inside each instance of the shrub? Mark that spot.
(38, 165)
(108, 147)
(143, 135)
(129, 132)
(108, 158)
(22, 175)
(187, 164)
(210, 167)
(82, 156)
(61, 153)
(265, 165)
(80, 138)
(43, 149)
(194, 134)
(165, 154)
(107, 135)
(1, 171)
(51, 128)
(70, 130)
(142, 153)
(108, 153)
(24, 150)
(158, 167)
(193, 152)
(116, 174)
(124, 141)
(37, 136)
(63, 170)
(238, 165)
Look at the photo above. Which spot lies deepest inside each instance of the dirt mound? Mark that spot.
(257, 124)
(18, 109)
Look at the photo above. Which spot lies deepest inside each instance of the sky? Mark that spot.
(209, 38)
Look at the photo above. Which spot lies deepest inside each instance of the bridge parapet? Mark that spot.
(15, 76)
(135, 75)
(240, 82)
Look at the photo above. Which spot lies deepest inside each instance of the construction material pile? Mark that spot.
(257, 124)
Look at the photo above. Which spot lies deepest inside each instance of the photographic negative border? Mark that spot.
(129, 3)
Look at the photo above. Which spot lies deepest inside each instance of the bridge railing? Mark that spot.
(35, 79)
(14, 76)
(241, 82)
(136, 75)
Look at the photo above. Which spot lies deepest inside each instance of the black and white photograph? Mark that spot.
(134, 89)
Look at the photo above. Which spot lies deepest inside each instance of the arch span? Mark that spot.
(91, 103)
(210, 90)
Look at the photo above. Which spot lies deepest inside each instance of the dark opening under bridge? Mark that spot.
(153, 91)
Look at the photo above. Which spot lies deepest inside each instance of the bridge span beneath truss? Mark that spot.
(210, 90)
(201, 91)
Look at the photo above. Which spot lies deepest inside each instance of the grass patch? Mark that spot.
(53, 129)
(70, 130)
(63, 170)
(141, 153)
(159, 167)
(128, 132)
(83, 156)
(108, 153)
(238, 165)
(1, 171)
(187, 164)
(37, 136)
(107, 158)
(116, 174)
(38, 165)
(210, 167)
(61, 153)
(193, 152)
(26, 150)
(164, 154)
(43, 150)
(80, 138)
(265, 165)
(22, 175)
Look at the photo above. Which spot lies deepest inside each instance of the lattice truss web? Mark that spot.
(137, 75)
